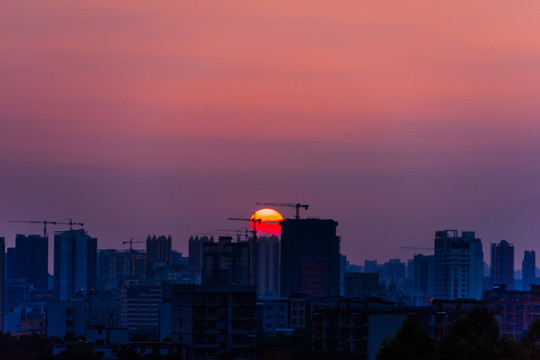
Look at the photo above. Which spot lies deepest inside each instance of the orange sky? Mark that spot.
(345, 105)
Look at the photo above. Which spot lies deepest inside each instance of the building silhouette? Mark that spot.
(361, 284)
(2, 279)
(502, 264)
(227, 259)
(310, 258)
(158, 250)
(209, 320)
(31, 258)
(528, 269)
(267, 266)
(75, 263)
(458, 265)
(423, 268)
(195, 252)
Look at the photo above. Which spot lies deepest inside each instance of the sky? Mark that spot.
(396, 119)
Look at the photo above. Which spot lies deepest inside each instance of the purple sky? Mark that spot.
(168, 117)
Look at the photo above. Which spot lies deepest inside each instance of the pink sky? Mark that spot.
(167, 117)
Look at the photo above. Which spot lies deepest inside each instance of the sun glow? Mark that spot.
(270, 220)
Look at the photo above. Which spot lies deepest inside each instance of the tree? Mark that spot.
(411, 341)
(474, 336)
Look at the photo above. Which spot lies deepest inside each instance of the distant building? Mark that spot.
(361, 284)
(502, 264)
(423, 279)
(31, 259)
(267, 266)
(2, 280)
(195, 254)
(370, 266)
(158, 250)
(75, 263)
(115, 266)
(140, 309)
(458, 265)
(209, 320)
(528, 268)
(226, 258)
(310, 257)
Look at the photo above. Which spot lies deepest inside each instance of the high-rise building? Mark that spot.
(195, 253)
(267, 266)
(394, 273)
(31, 257)
(310, 257)
(458, 265)
(75, 263)
(528, 268)
(228, 259)
(370, 266)
(502, 264)
(2, 280)
(361, 284)
(158, 250)
(423, 274)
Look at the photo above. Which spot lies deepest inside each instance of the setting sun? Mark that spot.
(270, 220)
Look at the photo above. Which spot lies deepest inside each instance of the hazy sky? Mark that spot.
(396, 119)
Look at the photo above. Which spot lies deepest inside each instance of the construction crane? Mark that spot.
(130, 242)
(297, 206)
(71, 223)
(253, 252)
(415, 248)
(238, 232)
(45, 223)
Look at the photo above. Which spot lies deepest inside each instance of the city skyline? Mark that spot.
(395, 120)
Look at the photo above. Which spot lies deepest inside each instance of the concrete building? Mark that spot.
(458, 265)
(75, 263)
(210, 320)
(114, 267)
(528, 269)
(267, 266)
(423, 269)
(361, 284)
(516, 310)
(502, 264)
(354, 327)
(228, 258)
(70, 319)
(31, 259)
(310, 257)
(140, 309)
(158, 250)
(195, 253)
(272, 315)
(2, 279)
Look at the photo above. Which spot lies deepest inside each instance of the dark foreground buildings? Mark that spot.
(310, 257)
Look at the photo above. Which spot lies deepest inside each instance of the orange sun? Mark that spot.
(270, 220)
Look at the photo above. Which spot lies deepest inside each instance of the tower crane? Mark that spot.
(130, 242)
(238, 232)
(45, 223)
(297, 206)
(253, 251)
